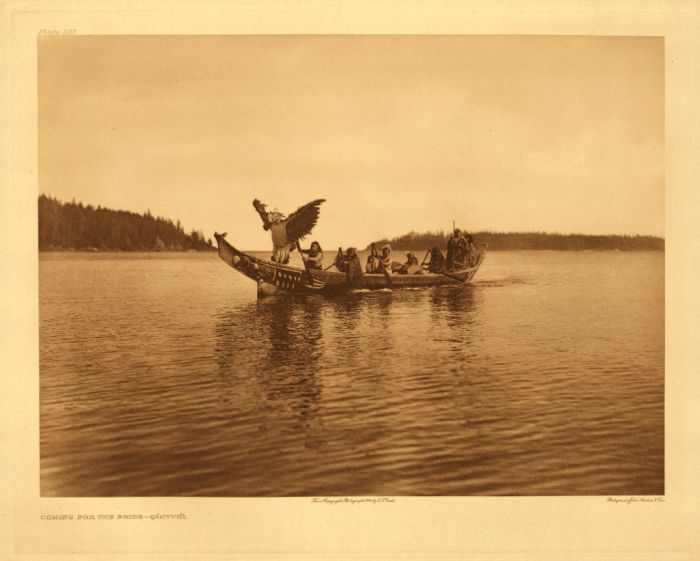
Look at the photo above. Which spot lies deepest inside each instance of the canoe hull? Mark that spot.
(274, 279)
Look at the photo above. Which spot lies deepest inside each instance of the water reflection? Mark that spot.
(546, 387)
(272, 349)
(346, 312)
(359, 326)
(456, 315)
(456, 306)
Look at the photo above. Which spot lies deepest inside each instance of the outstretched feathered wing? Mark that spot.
(302, 220)
(262, 211)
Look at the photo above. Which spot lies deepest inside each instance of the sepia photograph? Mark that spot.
(351, 265)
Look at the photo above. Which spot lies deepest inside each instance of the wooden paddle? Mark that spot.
(455, 277)
(334, 264)
(422, 265)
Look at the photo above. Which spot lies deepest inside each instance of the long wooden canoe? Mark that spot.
(274, 278)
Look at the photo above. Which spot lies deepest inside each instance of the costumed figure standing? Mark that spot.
(287, 231)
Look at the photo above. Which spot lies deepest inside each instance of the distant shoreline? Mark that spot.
(515, 241)
(74, 227)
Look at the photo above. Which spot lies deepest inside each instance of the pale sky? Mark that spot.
(398, 133)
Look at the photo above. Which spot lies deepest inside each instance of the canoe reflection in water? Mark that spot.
(273, 358)
(339, 394)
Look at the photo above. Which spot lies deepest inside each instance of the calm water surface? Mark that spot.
(161, 374)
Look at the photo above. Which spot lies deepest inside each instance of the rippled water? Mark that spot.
(161, 374)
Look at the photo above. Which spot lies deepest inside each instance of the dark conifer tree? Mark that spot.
(75, 226)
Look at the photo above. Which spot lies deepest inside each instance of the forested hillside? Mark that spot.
(529, 240)
(66, 226)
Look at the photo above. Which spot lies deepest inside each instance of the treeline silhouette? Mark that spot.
(84, 227)
(527, 240)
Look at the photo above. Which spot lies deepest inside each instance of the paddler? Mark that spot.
(371, 267)
(470, 249)
(437, 261)
(315, 256)
(458, 252)
(453, 249)
(340, 260)
(385, 258)
(353, 266)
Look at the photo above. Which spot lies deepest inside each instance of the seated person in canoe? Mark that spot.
(341, 260)
(315, 256)
(411, 266)
(385, 259)
(353, 267)
(371, 267)
(437, 261)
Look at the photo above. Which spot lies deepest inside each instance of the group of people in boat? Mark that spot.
(383, 262)
(461, 254)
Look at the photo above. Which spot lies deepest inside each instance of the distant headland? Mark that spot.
(74, 226)
(528, 240)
